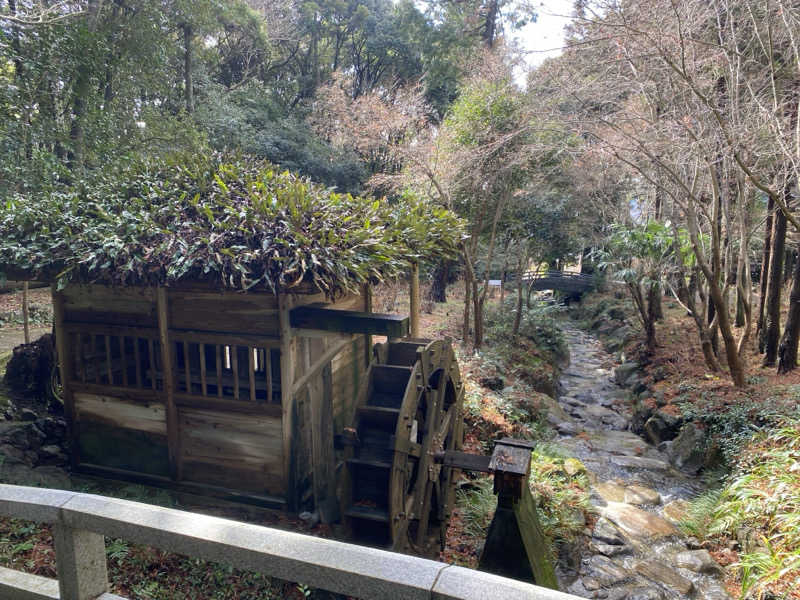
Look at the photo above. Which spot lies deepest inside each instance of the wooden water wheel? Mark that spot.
(399, 496)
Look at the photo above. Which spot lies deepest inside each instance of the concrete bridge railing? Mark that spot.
(80, 522)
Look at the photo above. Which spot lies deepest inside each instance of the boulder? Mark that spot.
(644, 593)
(492, 383)
(25, 436)
(26, 414)
(604, 571)
(624, 372)
(657, 571)
(29, 369)
(54, 428)
(52, 455)
(639, 494)
(688, 451)
(699, 561)
(662, 427)
(610, 491)
(605, 533)
(676, 510)
(636, 522)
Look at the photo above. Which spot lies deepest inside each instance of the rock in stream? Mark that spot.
(636, 551)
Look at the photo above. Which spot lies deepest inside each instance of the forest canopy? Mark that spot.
(239, 222)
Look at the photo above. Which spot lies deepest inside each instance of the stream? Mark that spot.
(636, 551)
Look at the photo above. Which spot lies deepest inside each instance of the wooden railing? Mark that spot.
(80, 522)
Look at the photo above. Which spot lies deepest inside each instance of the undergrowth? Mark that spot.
(558, 483)
(538, 325)
(759, 506)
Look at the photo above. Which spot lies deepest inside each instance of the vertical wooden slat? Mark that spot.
(95, 360)
(367, 293)
(109, 367)
(187, 367)
(123, 360)
(64, 363)
(288, 408)
(251, 368)
(235, 369)
(137, 357)
(414, 301)
(268, 370)
(173, 437)
(203, 384)
(153, 365)
(82, 358)
(219, 371)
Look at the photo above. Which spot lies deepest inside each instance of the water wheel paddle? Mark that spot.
(399, 497)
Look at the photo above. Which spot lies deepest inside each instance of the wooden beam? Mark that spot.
(313, 370)
(367, 293)
(323, 454)
(289, 410)
(173, 434)
(414, 300)
(65, 371)
(348, 321)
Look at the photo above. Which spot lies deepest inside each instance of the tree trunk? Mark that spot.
(467, 307)
(655, 298)
(77, 133)
(441, 275)
(518, 315)
(760, 329)
(478, 301)
(735, 364)
(787, 351)
(187, 67)
(773, 301)
(479, 296)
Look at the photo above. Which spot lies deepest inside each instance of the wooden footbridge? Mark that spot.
(571, 283)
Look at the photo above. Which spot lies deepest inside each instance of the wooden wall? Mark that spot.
(208, 413)
(212, 410)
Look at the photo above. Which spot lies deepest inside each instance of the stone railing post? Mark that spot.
(81, 563)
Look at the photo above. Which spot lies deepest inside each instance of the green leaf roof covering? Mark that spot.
(234, 222)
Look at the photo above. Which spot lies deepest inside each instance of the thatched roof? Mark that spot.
(237, 223)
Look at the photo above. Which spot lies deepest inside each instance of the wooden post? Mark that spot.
(414, 300)
(25, 314)
(515, 544)
(65, 372)
(367, 293)
(167, 364)
(288, 408)
(323, 462)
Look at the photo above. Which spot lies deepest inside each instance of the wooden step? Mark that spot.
(390, 379)
(403, 353)
(369, 513)
(380, 415)
(383, 400)
(369, 462)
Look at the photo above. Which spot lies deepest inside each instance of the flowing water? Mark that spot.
(636, 551)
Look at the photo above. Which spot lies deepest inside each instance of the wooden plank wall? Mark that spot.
(336, 384)
(187, 385)
(198, 424)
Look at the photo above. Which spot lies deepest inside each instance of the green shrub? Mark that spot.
(538, 325)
